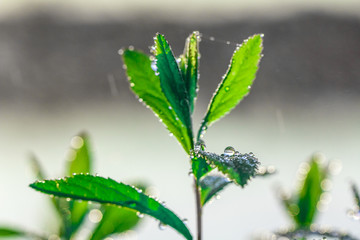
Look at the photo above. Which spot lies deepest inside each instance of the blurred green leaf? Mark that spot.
(302, 206)
(238, 167)
(36, 167)
(102, 190)
(80, 159)
(40, 175)
(116, 220)
(210, 185)
(171, 81)
(146, 85)
(10, 232)
(310, 193)
(189, 66)
(236, 83)
(356, 195)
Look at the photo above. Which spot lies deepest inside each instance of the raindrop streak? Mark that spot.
(229, 151)
(112, 84)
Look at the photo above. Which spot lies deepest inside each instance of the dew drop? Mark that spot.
(262, 35)
(170, 108)
(227, 89)
(154, 66)
(68, 199)
(140, 215)
(132, 84)
(162, 226)
(228, 42)
(211, 38)
(121, 51)
(229, 151)
(217, 196)
(185, 220)
(131, 48)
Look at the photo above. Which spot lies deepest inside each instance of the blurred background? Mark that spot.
(60, 74)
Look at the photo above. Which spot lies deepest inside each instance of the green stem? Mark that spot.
(198, 210)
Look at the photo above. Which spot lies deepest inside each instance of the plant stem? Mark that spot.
(198, 210)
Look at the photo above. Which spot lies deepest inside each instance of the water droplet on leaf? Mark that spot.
(229, 151)
(140, 215)
(162, 226)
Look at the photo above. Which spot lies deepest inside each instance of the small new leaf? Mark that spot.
(310, 193)
(189, 66)
(210, 185)
(106, 190)
(237, 81)
(172, 82)
(302, 206)
(80, 161)
(146, 85)
(240, 168)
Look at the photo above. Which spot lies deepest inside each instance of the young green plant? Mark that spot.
(169, 85)
(304, 204)
(72, 214)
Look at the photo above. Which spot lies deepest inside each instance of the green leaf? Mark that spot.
(10, 232)
(189, 66)
(302, 206)
(236, 83)
(36, 167)
(80, 162)
(309, 194)
(102, 190)
(80, 159)
(199, 165)
(115, 220)
(238, 167)
(172, 82)
(210, 185)
(356, 195)
(146, 85)
(40, 175)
